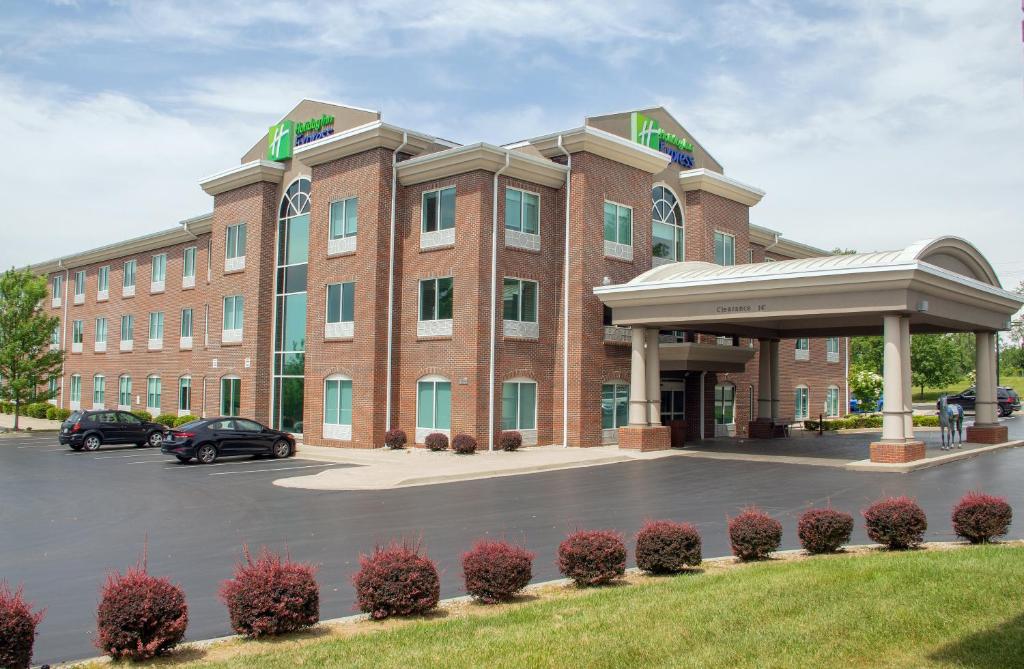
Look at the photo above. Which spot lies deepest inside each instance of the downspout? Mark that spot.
(702, 408)
(772, 245)
(565, 301)
(846, 378)
(494, 303)
(63, 332)
(391, 279)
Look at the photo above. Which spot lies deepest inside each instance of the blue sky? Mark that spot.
(870, 125)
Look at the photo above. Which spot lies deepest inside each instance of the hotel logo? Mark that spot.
(646, 131)
(280, 140)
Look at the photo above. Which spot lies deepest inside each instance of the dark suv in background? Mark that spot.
(1007, 399)
(91, 429)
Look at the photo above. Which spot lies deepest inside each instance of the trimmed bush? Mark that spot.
(395, 439)
(51, 413)
(63, 414)
(396, 580)
(896, 523)
(437, 441)
(37, 409)
(494, 571)
(17, 628)
(824, 530)
(181, 420)
(664, 547)
(166, 419)
(271, 595)
(980, 518)
(464, 444)
(592, 557)
(510, 441)
(6, 407)
(142, 414)
(140, 616)
(754, 534)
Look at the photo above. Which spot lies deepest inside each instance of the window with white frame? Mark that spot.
(99, 391)
(80, 286)
(803, 349)
(76, 391)
(669, 235)
(57, 289)
(230, 395)
(186, 324)
(154, 388)
(832, 349)
(124, 392)
(234, 306)
(725, 404)
(614, 405)
(433, 406)
(832, 401)
(127, 323)
(234, 250)
(801, 405)
(519, 308)
(436, 307)
(77, 335)
(188, 267)
(344, 223)
(725, 249)
(338, 407)
(55, 337)
(522, 219)
(618, 231)
(158, 277)
(437, 226)
(101, 334)
(519, 408)
(103, 282)
(340, 310)
(53, 388)
(184, 395)
(156, 330)
(128, 278)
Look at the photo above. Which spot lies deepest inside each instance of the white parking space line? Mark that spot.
(274, 469)
(130, 455)
(195, 465)
(143, 462)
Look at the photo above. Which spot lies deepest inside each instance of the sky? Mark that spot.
(869, 124)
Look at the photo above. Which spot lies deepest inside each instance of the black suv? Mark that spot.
(1006, 398)
(91, 429)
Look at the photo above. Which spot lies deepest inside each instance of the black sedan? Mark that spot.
(91, 429)
(207, 439)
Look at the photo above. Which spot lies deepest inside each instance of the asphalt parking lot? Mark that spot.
(66, 518)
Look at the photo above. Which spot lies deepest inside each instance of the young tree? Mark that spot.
(866, 353)
(934, 360)
(26, 361)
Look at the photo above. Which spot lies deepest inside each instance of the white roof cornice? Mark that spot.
(243, 175)
(481, 156)
(605, 144)
(376, 134)
(719, 184)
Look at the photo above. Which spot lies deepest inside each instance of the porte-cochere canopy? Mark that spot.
(942, 285)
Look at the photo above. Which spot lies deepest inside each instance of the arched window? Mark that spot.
(230, 395)
(296, 199)
(124, 393)
(154, 388)
(338, 407)
(99, 391)
(801, 403)
(832, 401)
(519, 405)
(669, 240)
(725, 404)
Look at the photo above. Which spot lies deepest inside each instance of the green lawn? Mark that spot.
(962, 608)
(932, 394)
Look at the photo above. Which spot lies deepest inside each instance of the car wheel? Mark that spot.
(92, 442)
(76, 447)
(155, 439)
(183, 459)
(206, 454)
(282, 449)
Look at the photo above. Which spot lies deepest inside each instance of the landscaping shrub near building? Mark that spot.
(181, 420)
(395, 439)
(166, 419)
(396, 580)
(510, 440)
(142, 414)
(140, 615)
(592, 557)
(754, 534)
(6, 407)
(896, 522)
(980, 518)
(464, 444)
(17, 628)
(824, 530)
(665, 547)
(37, 409)
(494, 571)
(436, 441)
(57, 413)
(271, 595)
(860, 421)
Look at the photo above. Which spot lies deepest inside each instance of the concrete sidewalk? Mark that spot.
(382, 469)
(24, 422)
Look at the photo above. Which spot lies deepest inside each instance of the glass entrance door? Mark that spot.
(673, 402)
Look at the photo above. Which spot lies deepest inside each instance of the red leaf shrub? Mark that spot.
(824, 530)
(395, 438)
(494, 571)
(664, 547)
(464, 444)
(140, 615)
(17, 628)
(754, 534)
(271, 595)
(396, 580)
(437, 441)
(510, 441)
(896, 523)
(979, 518)
(592, 557)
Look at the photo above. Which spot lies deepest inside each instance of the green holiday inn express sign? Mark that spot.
(645, 130)
(286, 135)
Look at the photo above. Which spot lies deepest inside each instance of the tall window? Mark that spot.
(725, 249)
(128, 280)
(341, 302)
(55, 336)
(159, 268)
(832, 401)
(234, 305)
(156, 325)
(614, 405)
(725, 404)
(101, 330)
(186, 322)
(185, 394)
(519, 405)
(436, 298)
(338, 401)
(52, 387)
(235, 244)
(80, 284)
(290, 325)
(76, 332)
(103, 279)
(99, 389)
(344, 218)
(800, 403)
(126, 327)
(522, 211)
(438, 210)
(803, 349)
(832, 349)
(188, 264)
(434, 404)
(669, 240)
(76, 388)
(519, 300)
(154, 388)
(124, 392)
(618, 224)
(230, 395)
(58, 286)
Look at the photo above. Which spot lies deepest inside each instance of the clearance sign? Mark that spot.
(286, 135)
(645, 130)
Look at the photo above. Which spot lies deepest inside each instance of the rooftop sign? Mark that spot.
(286, 135)
(646, 131)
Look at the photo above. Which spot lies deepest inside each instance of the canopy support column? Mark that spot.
(762, 427)
(638, 379)
(773, 353)
(986, 428)
(653, 371)
(907, 382)
(896, 446)
(644, 431)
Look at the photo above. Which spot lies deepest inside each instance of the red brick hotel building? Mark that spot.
(355, 276)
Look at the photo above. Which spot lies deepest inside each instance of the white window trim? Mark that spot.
(340, 329)
(610, 435)
(237, 263)
(436, 238)
(657, 261)
(185, 343)
(618, 334)
(100, 346)
(729, 235)
(423, 432)
(829, 390)
(522, 329)
(220, 397)
(529, 435)
(807, 391)
(189, 280)
(341, 246)
(231, 336)
(518, 239)
(802, 353)
(337, 431)
(438, 327)
(618, 250)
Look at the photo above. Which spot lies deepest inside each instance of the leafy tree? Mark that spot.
(866, 353)
(1013, 360)
(866, 386)
(26, 361)
(934, 360)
